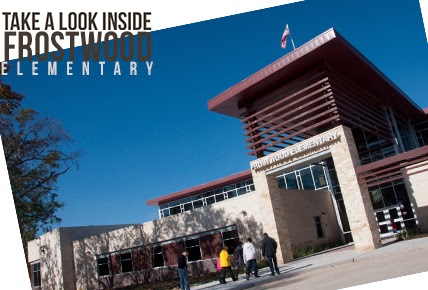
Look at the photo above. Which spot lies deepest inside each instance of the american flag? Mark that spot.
(284, 37)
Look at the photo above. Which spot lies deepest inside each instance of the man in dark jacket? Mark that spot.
(269, 246)
(182, 271)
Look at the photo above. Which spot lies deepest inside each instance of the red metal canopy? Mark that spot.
(329, 48)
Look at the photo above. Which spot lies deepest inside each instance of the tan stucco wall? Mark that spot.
(301, 206)
(33, 250)
(55, 253)
(47, 249)
(417, 188)
(243, 211)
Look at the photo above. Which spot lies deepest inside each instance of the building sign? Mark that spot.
(295, 149)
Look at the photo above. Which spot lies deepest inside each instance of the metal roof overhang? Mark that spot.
(331, 49)
(231, 179)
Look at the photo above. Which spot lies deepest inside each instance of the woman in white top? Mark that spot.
(250, 258)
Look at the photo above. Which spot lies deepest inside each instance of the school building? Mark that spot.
(340, 156)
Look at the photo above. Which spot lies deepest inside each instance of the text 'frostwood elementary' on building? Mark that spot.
(341, 155)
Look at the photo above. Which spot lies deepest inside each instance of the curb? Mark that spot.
(267, 279)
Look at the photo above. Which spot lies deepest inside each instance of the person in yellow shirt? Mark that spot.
(225, 265)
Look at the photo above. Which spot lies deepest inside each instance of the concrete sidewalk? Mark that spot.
(343, 255)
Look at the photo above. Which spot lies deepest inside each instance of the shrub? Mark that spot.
(310, 250)
(409, 234)
(262, 264)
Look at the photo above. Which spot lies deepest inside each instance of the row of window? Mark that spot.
(310, 177)
(373, 148)
(206, 198)
(388, 194)
(370, 147)
(158, 257)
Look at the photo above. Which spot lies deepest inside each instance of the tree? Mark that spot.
(34, 148)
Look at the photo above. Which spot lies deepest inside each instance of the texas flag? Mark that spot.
(284, 37)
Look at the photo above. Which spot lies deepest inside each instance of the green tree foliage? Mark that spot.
(36, 156)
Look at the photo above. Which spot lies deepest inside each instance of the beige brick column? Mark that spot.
(359, 209)
(274, 222)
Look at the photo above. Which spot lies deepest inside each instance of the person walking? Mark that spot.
(269, 247)
(249, 253)
(182, 271)
(225, 265)
(239, 258)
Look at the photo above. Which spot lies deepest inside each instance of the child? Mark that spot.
(218, 267)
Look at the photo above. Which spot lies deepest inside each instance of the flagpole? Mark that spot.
(292, 42)
(291, 37)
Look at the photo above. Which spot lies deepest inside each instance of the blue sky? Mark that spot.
(146, 136)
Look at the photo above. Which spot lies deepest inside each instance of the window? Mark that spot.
(370, 147)
(388, 194)
(188, 206)
(126, 262)
(175, 210)
(281, 182)
(37, 281)
(306, 178)
(192, 246)
(230, 239)
(210, 200)
(311, 177)
(197, 204)
(291, 181)
(319, 176)
(242, 190)
(318, 226)
(232, 193)
(158, 257)
(164, 212)
(376, 197)
(206, 198)
(406, 133)
(102, 266)
(219, 197)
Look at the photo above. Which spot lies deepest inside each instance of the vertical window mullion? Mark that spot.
(312, 175)
(299, 180)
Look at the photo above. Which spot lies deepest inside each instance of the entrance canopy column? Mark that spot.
(365, 231)
(274, 222)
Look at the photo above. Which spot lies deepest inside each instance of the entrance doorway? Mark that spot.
(318, 176)
(392, 208)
